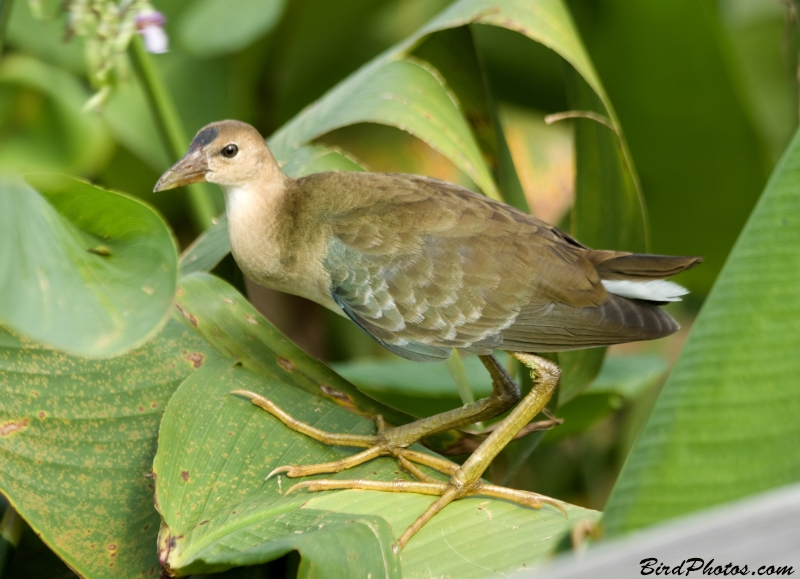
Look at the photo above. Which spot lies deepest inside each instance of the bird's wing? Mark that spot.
(425, 266)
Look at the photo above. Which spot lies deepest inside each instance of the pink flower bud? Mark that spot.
(151, 26)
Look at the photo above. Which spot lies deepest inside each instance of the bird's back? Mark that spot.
(425, 266)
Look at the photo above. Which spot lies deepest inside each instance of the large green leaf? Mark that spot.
(77, 440)
(214, 452)
(406, 93)
(725, 424)
(84, 270)
(210, 28)
(215, 449)
(473, 538)
(77, 436)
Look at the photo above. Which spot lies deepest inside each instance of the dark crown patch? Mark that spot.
(204, 137)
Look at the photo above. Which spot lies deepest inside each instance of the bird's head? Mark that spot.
(231, 154)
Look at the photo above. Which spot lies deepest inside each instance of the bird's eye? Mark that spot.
(230, 151)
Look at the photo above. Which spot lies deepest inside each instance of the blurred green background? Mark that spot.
(705, 92)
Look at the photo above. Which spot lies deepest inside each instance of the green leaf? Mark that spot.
(215, 450)
(406, 93)
(44, 126)
(88, 271)
(453, 52)
(419, 389)
(472, 538)
(209, 28)
(208, 249)
(77, 436)
(621, 380)
(725, 424)
(578, 369)
(77, 440)
(211, 443)
(234, 327)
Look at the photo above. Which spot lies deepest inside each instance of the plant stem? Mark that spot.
(5, 13)
(456, 368)
(11, 527)
(202, 203)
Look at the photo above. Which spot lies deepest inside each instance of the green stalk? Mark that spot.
(456, 368)
(11, 527)
(202, 203)
(5, 13)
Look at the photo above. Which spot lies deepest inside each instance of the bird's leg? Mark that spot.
(505, 393)
(466, 479)
(395, 441)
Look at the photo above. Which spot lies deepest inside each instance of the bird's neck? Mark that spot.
(263, 193)
(256, 225)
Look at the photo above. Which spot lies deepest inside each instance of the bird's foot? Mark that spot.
(465, 480)
(386, 442)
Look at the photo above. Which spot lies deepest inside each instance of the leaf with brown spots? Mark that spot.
(229, 516)
(228, 325)
(77, 440)
(13, 427)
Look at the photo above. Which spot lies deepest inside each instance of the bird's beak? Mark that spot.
(192, 168)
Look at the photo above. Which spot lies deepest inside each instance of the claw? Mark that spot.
(280, 469)
(246, 393)
(554, 503)
(300, 485)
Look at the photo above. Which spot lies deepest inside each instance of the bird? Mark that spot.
(426, 267)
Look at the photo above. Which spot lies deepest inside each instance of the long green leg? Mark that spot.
(465, 480)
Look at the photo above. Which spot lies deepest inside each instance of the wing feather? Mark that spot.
(425, 266)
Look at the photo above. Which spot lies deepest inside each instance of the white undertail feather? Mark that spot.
(657, 290)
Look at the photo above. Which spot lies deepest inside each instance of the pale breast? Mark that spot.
(273, 249)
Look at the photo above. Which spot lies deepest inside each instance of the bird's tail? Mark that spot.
(641, 276)
(617, 265)
(631, 313)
